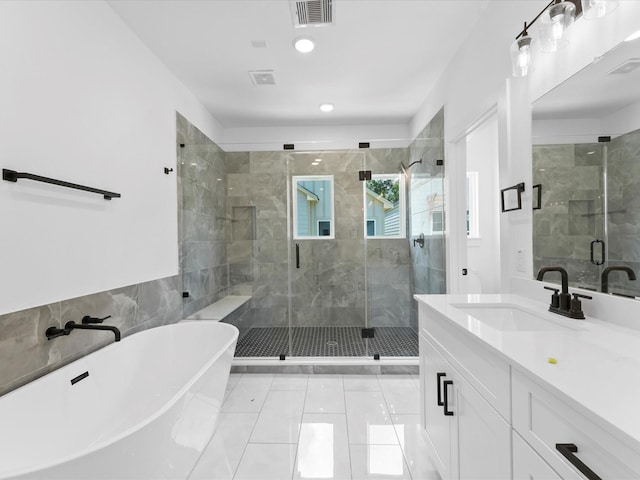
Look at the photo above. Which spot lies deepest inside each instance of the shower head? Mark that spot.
(406, 169)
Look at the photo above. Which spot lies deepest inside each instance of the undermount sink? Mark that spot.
(508, 317)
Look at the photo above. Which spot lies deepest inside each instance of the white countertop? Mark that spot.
(598, 363)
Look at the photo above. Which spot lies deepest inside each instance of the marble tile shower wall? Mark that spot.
(571, 213)
(26, 354)
(204, 225)
(329, 288)
(623, 187)
(428, 274)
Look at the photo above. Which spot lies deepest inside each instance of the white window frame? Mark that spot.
(401, 205)
(294, 196)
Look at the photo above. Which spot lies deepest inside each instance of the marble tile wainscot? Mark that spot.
(26, 354)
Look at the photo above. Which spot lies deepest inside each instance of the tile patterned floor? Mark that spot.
(327, 342)
(347, 427)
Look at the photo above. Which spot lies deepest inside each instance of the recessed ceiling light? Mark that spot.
(314, 163)
(318, 159)
(633, 36)
(304, 44)
(326, 107)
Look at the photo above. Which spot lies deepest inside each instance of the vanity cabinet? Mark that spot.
(544, 422)
(485, 416)
(528, 465)
(467, 436)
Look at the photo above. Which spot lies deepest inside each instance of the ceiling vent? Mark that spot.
(311, 12)
(262, 77)
(627, 66)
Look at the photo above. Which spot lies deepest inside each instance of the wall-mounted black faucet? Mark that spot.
(53, 332)
(562, 303)
(604, 277)
(419, 241)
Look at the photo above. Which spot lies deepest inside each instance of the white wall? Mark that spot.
(82, 100)
(480, 75)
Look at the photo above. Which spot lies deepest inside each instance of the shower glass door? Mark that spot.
(327, 255)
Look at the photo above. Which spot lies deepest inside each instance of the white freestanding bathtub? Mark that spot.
(146, 410)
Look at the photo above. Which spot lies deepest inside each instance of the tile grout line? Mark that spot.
(244, 450)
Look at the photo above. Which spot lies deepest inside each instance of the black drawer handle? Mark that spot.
(439, 376)
(567, 450)
(445, 384)
(297, 255)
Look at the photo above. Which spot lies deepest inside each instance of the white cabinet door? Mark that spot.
(528, 465)
(483, 436)
(437, 426)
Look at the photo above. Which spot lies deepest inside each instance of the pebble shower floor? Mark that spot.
(327, 342)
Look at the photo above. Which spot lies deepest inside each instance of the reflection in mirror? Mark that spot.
(586, 157)
(313, 206)
(384, 199)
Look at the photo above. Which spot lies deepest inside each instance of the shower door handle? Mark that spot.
(593, 260)
(297, 255)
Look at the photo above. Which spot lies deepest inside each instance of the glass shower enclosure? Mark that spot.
(323, 245)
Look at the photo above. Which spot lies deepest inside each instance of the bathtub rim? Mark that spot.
(148, 420)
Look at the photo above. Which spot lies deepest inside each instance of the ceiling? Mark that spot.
(593, 93)
(376, 63)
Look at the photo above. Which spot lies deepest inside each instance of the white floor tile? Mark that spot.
(221, 457)
(325, 381)
(368, 420)
(373, 462)
(290, 382)
(401, 394)
(249, 393)
(323, 448)
(233, 380)
(325, 394)
(280, 418)
(413, 445)
(361, 383)
(266, 462)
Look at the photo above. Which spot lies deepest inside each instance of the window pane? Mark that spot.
(313, 206)
(384, 198)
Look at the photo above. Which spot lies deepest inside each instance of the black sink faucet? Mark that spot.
(53, 332)
(564, 297)
(604, 277)
(562, 303)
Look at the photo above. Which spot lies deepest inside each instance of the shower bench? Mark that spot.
(222, 309)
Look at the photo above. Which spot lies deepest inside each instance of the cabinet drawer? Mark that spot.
(487, 372)
(543, 421)
(527, 464)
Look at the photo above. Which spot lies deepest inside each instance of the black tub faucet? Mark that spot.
(604, 277)
(53, 332)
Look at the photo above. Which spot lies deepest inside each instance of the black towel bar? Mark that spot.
(13, 176)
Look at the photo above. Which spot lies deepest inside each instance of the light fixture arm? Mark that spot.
(527, 25)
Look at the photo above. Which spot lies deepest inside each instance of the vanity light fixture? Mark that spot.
(592, 9)
(555, 18)
(553, 23)
(304, 44)
(326, 107)
(521, 54)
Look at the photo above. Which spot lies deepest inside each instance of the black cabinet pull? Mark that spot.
(439, 376)
(567, 450)
(445, 384)
(297, 255)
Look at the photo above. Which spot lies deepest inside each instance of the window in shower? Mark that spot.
(385, 206)
(313, 207)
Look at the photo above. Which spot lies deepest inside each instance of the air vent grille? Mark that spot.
(627, 66)
(262, 77)
(312, 12)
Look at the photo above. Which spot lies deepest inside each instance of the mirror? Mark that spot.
(586, 161)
